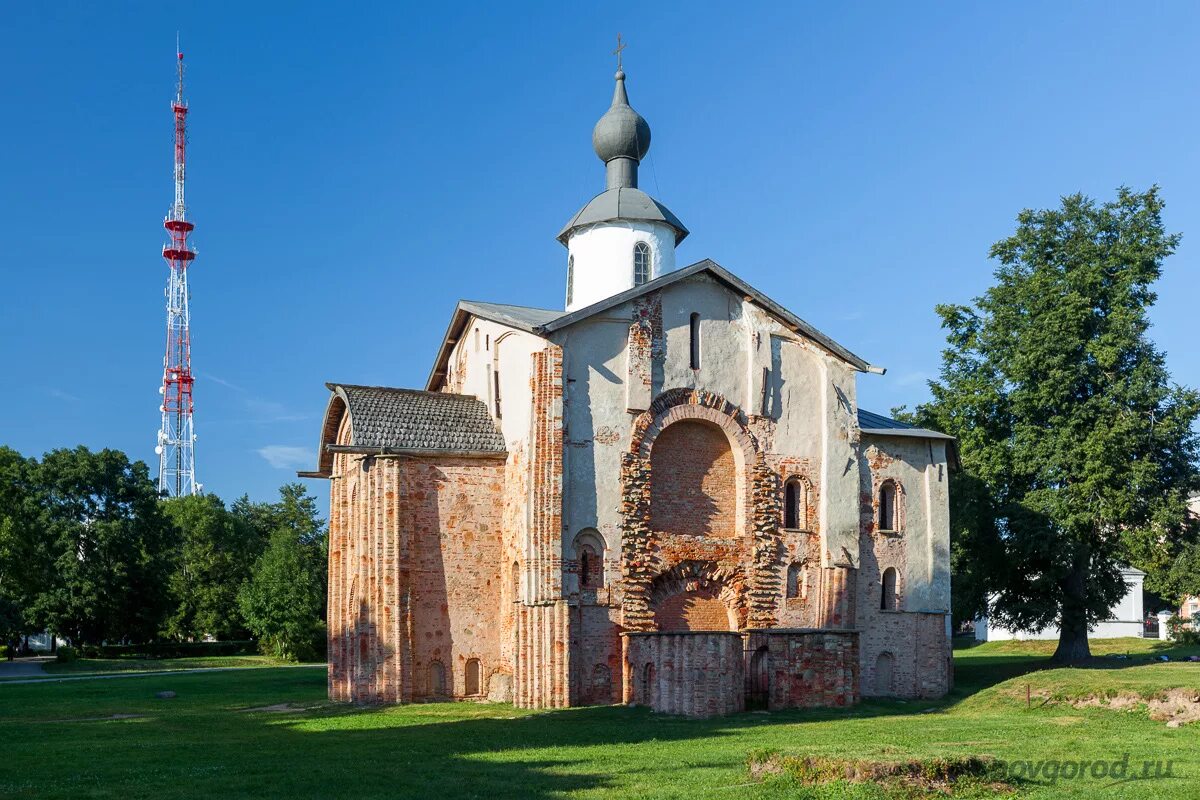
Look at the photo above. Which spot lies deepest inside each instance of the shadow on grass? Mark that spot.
(524, 755)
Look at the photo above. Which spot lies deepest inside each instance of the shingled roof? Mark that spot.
(389, 420)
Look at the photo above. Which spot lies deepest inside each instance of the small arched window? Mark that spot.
(472, 676)
(889, 600)
(888, 518)
(641, 263)
(570, 279)
(589, 550)
(797, 580)
(647, 682)
(694, 330)
(797, 497)
(516, 582)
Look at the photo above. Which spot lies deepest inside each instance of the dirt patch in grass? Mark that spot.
(277, 708)
(1175, 707)
(913, 777)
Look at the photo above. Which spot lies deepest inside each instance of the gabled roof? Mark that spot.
(730, 280)
(542, 321)
(870, 422)
(874, 424)
(388, 420)
(522, 318)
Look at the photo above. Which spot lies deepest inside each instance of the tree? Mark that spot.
(23, 565)
(216, 553)
(109, 546)
(1078, 452)
(283, 603)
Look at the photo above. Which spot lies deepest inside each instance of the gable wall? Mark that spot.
(811, 401)
(486, 347)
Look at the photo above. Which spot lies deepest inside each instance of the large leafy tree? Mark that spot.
(216, 553)
(24, 567)
(283, 603)
(109, 543)
(1078, 451)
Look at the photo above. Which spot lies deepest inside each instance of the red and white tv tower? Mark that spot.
(177, 437)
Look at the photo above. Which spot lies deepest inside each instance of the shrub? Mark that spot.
(65, 654)
(171, 649)
(1182, 631)
(3, 651)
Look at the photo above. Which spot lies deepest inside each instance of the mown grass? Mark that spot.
(55, 740)
(84, 666)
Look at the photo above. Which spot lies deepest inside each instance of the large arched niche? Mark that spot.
(694, 481)
(699, 454)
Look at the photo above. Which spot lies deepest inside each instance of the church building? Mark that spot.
(662, 494)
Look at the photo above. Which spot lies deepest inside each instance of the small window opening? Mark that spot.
(796, 502)
(570, 279)
(887, 506)
(496, 390)
(887, 598)
(591, 568)
(641, 263)
(695, 341)
(797, 580)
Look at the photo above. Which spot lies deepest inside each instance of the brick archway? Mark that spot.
(673, 591)
(693, 404)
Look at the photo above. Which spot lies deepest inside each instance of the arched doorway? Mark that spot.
(758, 679)
(884, 686)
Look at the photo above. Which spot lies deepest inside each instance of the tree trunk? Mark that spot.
(1072, 631)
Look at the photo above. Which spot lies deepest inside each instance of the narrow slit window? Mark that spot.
(790, 518)
(887, 507)
(496, 390)
(570, 279)
(641, 263)
(695, 341)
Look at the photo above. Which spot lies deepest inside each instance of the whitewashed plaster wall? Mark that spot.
(604, 257)
(488, 347)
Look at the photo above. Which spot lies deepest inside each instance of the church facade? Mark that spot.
(663, 494)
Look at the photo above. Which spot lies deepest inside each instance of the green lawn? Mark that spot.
(105, 665)
(55, 740)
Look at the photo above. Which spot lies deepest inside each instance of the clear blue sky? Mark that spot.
(353, 172)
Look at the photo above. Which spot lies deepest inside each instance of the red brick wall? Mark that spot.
(694, 674)
(693, 481)
(700, 610)
(807, 669)
(542, 637)
(416, 575)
